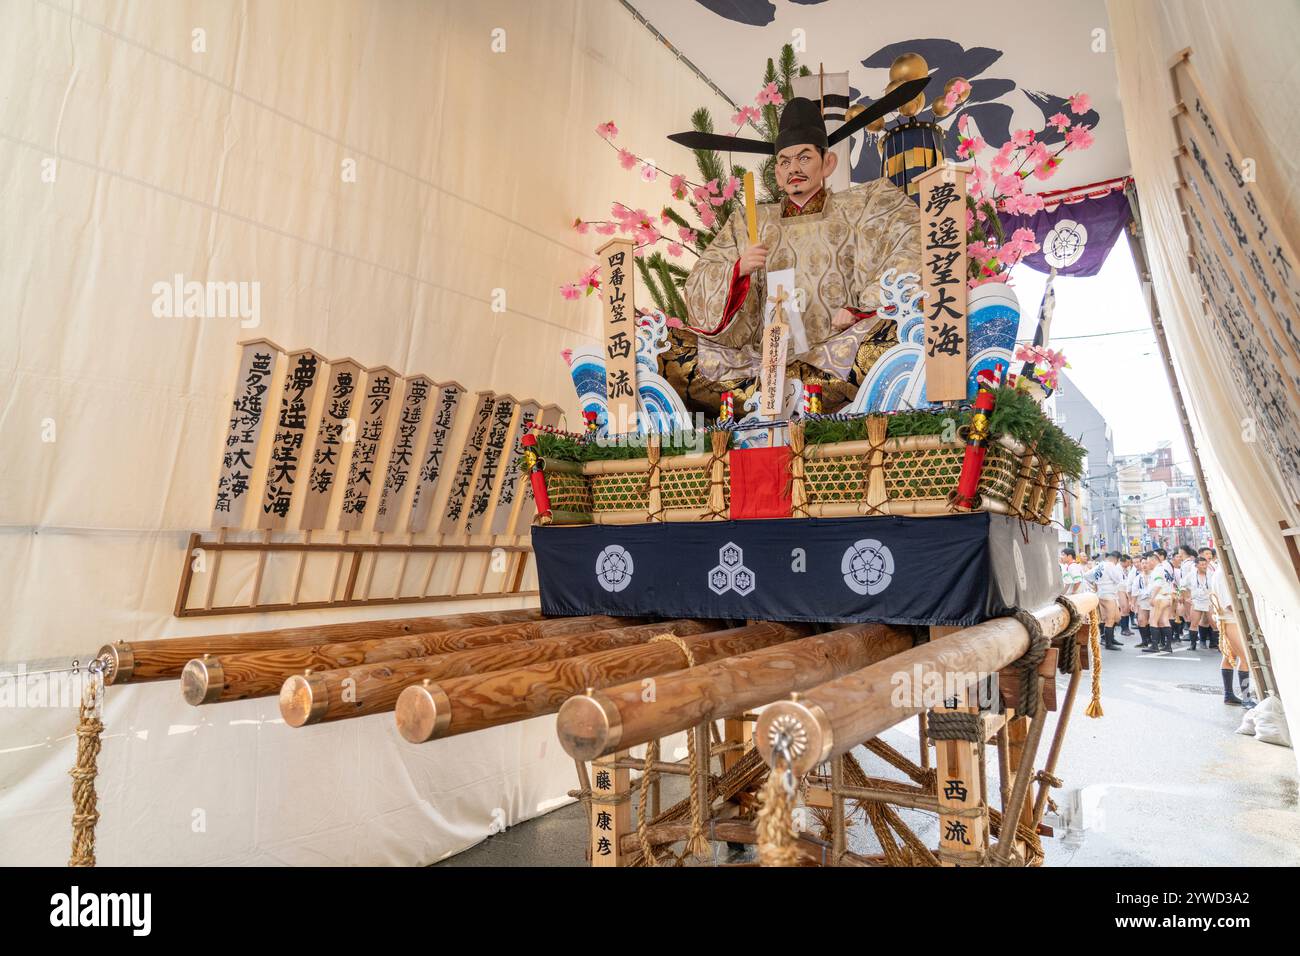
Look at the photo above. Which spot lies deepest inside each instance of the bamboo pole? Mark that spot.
(212, 680)
(835, 717)
(165, 659)
(374, 688)
(628, 714)
(464, 704)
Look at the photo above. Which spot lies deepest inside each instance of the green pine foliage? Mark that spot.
(1015, 413)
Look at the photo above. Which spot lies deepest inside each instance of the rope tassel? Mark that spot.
(85, 802)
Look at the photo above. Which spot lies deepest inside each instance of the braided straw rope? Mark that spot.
(798, 478)
(696, 844)
(85, 813)
(654, 500)
(775, 825)
(1094, 642)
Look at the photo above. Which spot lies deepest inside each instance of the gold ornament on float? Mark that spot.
(947, 88)
(909, 66)
(912, 106)
(940, 108)
(853, 111)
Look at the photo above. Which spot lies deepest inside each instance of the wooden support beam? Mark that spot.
(374, 688)
(164, 659)
(464, 704)
(633, 713)
(212, 680)
(836, 716)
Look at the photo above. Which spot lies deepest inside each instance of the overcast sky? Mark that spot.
(1119, 370)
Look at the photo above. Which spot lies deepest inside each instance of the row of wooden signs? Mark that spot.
(362, 412)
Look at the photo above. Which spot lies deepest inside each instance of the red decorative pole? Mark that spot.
(537, 478)
(812, 396)
(977, 438)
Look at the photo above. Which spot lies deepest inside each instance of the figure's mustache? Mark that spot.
(796, 178)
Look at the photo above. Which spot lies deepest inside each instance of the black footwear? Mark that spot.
(1228, 696)
(1150, 649)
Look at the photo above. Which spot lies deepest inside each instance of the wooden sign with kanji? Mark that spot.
(943, 278)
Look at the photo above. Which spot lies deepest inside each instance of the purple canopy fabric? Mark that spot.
(1075, 238)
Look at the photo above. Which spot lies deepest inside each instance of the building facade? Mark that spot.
(1096, 509)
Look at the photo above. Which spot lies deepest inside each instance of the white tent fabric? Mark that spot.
(1244, 55)
(141, 140)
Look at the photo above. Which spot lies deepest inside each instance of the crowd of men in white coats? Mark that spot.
(1169, 599)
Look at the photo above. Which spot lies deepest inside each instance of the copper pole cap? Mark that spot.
(121, 662)
(202, 681)
(589, 726)
(423, 713)
(304, 699)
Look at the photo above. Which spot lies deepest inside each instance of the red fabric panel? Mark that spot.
(760, 482)
(735, 299)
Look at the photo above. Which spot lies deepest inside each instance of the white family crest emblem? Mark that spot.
(1065, 243)
(614, 568)
(730, 574)
(868, 566)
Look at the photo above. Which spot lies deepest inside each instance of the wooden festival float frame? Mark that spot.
(823, 689)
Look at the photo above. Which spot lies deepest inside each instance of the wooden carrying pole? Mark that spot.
(837, 716)
(464, 704)
(212, 680)
(616, 718)
(129, 663)
(374, 688)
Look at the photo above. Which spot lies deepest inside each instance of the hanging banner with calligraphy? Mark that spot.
(402, 454)
(528, 413)
(943, 279)
(490, 471)
(256, 368)
(435, 449)
(291, 437)
(617, 287)
(332, 435)
(467, 465)
(373, 412)
(1246, 269)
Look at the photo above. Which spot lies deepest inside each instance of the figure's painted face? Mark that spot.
(801, 171)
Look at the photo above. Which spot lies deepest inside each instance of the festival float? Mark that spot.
(814, 460)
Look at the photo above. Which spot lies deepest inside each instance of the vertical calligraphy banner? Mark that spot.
(489, 473)
(332, 436)
(373, 412)
(402, 456)
(292, 437)
(942, 193)
(467, 466)
(435, 451)
(617, 282)
(528, 413)
(256, 369)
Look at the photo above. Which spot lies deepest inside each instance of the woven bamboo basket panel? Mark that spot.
(923, 473)
(569, 492)
(998, 480)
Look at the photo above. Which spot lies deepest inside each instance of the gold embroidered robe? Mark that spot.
(838, 255)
